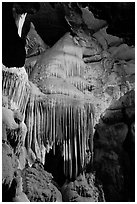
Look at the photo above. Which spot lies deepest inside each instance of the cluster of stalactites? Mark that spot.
(52, 119)
(15, 86)
(68, 126)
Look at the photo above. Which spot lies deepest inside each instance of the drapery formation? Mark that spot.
(15, 85)
(52, 119)
(60, 115)
(64, 124)
(57, 99)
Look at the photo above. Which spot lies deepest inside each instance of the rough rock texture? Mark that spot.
(103, 81)
(118, 16)
(58, 74)
(114, 150)
(17, 189)
(83, 189)
(34, 44)
(87, 78)
(9, 166)
(107, 81)
(13, 131)
(54, 19)
(37, 184)
(16, 90)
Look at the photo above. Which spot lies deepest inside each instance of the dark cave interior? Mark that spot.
(100, 167)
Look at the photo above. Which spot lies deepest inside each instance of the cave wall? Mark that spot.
(51, 24)
(85, 79)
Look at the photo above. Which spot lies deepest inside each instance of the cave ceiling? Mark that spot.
(68, 115)
(54, 19)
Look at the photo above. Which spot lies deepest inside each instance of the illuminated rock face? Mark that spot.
(71, 86)
(42, 190)
(15, 85)
(83, 189)
(65, 115)
(64, 124)
(59, 107)
(61, 117)
(9, 165)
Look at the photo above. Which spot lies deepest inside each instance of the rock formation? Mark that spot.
(83, 189)
(76, 99)
(37, 184)
(113, 159)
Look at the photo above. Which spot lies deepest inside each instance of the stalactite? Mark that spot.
(65, 124)
(15, 85)
(54, 128)
(76, 150)
(59, 114)
(61, 120)
(66, 145)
